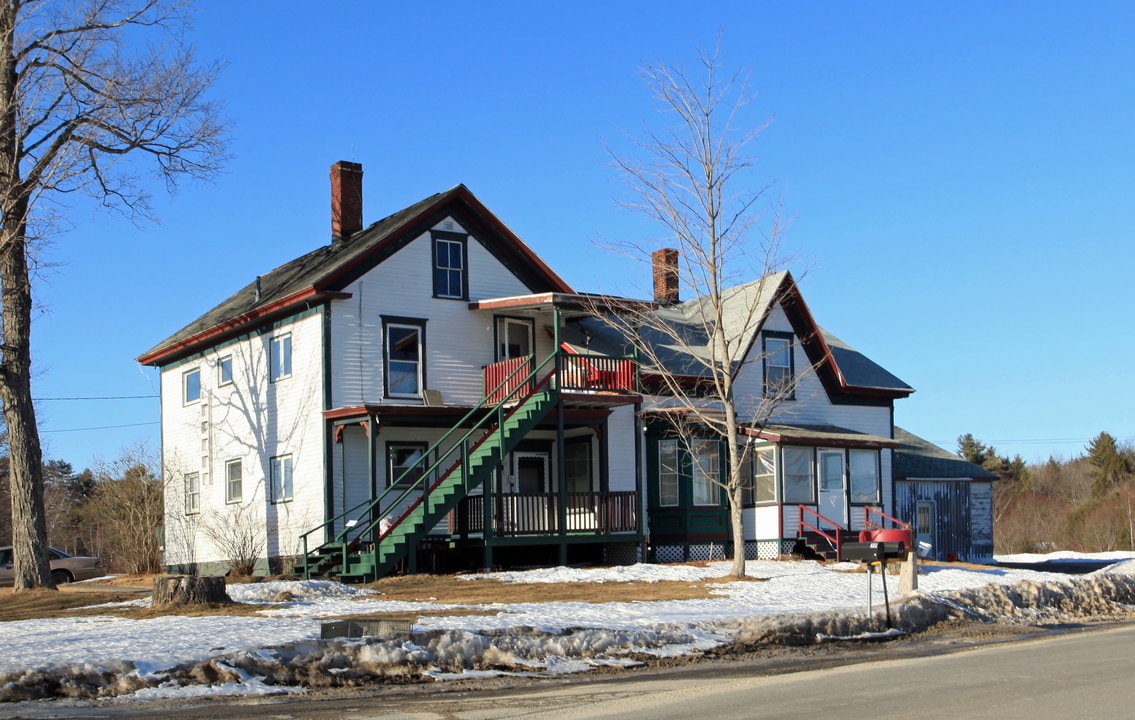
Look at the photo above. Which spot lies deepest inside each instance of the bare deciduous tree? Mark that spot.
(76, 107)
(125, 511)
(692, 180)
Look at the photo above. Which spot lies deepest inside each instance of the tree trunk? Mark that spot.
(29, 526)
(190, 590)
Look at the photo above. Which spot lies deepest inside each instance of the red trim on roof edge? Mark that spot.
(168, 353)
(459, 194)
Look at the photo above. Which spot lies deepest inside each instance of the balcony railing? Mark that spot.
(539, 514)
(578, 373)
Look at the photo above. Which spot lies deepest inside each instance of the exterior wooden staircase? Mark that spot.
(377, 534)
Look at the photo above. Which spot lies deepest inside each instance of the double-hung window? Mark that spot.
(234, 481)
(450, 263)
(404, 350)
(705, 469)
(192, 494)
(225, 370)
(668, 472)
(280, 359)
(191, 386)
(864, 467)
(281, 479)
(777, 353)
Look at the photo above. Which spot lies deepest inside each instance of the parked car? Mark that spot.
(64, 568)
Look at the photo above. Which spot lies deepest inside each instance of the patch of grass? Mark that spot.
(33, 604)
(452, 590)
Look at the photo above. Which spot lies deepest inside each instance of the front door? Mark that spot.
(924, 529)
(514, 338)
(833, 487)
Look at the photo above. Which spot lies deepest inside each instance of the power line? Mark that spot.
(104, 397)
(104, 427)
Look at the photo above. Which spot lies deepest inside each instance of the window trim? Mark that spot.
(389, 322)
(753, 475)
(284, 342)
(391, 448)
(437, 237)
(230, 498)
(766, 365)
(192, 493)
(283, 488)
(221, 363)
(185, 386)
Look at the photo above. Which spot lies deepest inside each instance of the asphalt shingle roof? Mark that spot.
(918, 458)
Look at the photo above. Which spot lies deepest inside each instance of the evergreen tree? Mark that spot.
(1109, 466)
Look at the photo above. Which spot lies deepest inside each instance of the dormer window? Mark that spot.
(779, 372)
(450, 265)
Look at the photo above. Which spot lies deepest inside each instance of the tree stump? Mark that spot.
(190, 590)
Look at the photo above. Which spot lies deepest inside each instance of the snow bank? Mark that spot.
(279, 652)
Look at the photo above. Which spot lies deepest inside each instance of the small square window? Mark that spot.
(225, 370)
(191, 386)
(281, 357)
(281, 478)
(234, 478)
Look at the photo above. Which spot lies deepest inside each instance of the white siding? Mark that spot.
(458, 342)
(251, 420)
(621, 447)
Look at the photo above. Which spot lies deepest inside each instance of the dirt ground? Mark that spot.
(75, 599)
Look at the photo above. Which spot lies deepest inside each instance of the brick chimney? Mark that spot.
(665, 264)
(346, 199)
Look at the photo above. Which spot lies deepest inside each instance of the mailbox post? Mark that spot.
(872, 553)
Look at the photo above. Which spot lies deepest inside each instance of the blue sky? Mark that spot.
(959, 177)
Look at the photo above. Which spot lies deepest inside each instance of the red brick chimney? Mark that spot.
(665, 263)
(346, 199)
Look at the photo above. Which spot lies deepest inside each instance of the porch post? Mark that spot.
(561, 463)
(372, 465)
(342, 484)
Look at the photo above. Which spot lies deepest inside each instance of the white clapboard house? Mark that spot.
(425, 394)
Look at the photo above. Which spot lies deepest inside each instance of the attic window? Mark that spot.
(779, 373)
(450, 265)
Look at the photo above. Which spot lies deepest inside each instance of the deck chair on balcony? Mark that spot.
(432, 398)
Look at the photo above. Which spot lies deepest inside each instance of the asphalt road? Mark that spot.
(1083, 674)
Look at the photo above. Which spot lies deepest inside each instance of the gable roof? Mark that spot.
(916, 458)
(322, 274)
(843, 370)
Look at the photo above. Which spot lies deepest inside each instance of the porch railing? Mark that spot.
(871, 523)
(831, 534)
(578, 373)
(538, 514)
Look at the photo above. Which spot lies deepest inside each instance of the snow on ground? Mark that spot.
(279, 649)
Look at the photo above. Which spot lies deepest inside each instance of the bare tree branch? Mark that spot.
(83, 110)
